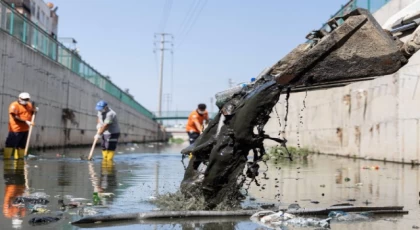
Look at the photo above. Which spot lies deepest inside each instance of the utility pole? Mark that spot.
(164, 39)
(230, 83)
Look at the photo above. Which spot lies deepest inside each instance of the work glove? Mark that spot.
(98, 136)
(28, 123)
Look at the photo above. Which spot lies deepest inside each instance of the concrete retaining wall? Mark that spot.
(376, 119)
(55, 89)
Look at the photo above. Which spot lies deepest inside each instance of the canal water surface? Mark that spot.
(140, 172)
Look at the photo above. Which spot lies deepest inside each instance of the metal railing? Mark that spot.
(22, 28)
(371, 5)
(173, 115)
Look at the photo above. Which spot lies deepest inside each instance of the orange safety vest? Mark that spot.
(24, 112)
(195, 116)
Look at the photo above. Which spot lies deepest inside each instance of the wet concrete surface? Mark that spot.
(140, 172)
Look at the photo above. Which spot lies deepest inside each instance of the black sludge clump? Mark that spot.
(29, 201)
(43, 220)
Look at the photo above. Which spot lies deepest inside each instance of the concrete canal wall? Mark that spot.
(67, 101)
(377, 119)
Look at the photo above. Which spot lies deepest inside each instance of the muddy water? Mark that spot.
(140, 172)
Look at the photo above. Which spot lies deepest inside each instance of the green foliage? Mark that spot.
(279, 152)
(176, 140)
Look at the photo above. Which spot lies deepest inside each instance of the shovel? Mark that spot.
(92, 149)
(29, 135)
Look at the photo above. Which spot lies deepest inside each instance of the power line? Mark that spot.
(189, 19)
(165, 15)
(187, 16)
(162, 16)
(193, 23)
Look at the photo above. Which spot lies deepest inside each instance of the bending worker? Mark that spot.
(108, 129)
(195, 122)
(20, 119)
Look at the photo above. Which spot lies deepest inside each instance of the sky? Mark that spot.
(214, 41)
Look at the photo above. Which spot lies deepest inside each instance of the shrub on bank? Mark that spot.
(279, 152)
(176, 140)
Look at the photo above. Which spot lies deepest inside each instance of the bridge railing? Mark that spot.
(22, 28)
(173, 115)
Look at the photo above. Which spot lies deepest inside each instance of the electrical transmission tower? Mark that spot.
(164, 38)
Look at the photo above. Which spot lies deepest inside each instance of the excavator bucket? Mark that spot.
(348, 49)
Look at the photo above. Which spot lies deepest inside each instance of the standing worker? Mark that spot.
(195, 122)
(108, 129)
(20, 117)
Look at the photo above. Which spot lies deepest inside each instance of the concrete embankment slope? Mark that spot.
(67, 101)
(376, 119)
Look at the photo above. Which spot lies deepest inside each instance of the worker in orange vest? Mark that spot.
(195, 122)
(20, 119)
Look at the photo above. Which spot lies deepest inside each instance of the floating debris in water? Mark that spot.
(39, 195)
(43, 220)
(75, 199)
(344, 216)
(39, 209)
(87, 211)
(281, 219)
(29, 201)
(376, 167)
(106, 194)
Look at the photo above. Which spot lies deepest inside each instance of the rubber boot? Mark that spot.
(19, 154)
(107, 167)
(104, 154)
(7, 154)
(110, 155)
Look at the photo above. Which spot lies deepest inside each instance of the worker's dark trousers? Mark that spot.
(193, 136)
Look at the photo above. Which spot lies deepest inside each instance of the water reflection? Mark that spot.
(135, 178)
(15, 185)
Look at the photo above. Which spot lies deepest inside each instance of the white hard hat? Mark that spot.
(24, 95)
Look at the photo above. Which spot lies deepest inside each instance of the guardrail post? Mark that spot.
(36, 37)
(12, 19)
(24, 28)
